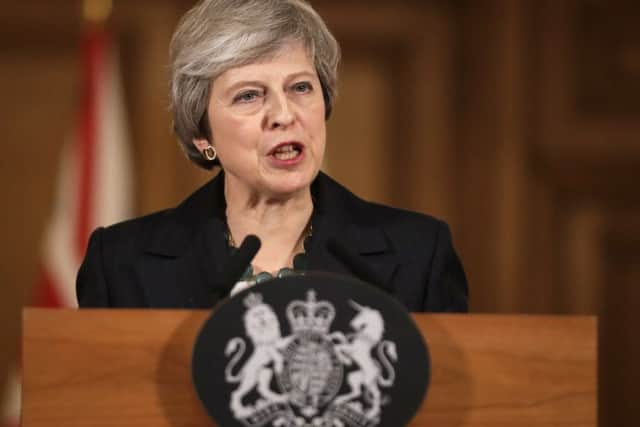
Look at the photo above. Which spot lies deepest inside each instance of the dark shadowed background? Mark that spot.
(517, 121)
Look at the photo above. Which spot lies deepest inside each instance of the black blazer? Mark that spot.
(175, 258)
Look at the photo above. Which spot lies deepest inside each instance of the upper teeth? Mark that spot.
(286, 152)
(285, 148)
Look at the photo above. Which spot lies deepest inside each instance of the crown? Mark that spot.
(252, 300)
(310, 315)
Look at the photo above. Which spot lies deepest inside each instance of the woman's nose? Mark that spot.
(279, 112)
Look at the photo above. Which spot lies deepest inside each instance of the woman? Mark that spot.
(252, 86)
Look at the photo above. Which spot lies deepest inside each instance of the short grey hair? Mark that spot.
(216, 35)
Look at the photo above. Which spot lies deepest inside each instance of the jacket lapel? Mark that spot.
(340, 215)
(185, 255)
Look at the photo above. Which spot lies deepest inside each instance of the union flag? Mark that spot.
(94, 184)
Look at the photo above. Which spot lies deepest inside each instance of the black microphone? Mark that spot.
(358, 267)
(240, 260)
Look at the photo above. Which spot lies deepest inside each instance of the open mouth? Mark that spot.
(287, 151)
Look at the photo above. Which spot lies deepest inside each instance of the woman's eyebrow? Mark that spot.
(304, 73)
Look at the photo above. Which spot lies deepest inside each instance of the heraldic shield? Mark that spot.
(315, 350)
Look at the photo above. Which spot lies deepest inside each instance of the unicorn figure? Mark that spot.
(368, 325)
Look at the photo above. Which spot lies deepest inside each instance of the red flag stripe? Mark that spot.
(46, 293)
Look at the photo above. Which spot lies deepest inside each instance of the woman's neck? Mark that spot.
(280, 223)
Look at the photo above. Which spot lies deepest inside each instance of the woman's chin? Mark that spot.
(288, 190)
(287, 186)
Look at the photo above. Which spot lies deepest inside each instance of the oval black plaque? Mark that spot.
(319, 350)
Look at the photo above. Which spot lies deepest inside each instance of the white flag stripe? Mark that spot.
(60, 259)
(113, 199)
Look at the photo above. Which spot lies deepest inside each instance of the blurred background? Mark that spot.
(516, 121)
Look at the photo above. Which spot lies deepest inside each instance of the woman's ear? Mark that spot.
(201, 144)
(206, 149)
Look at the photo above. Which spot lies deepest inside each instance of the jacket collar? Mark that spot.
(202, 212)
(196, 229)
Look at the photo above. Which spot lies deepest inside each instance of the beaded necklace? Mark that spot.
(299, 261)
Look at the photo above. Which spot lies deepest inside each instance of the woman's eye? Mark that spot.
(302, 87)
(247, 96)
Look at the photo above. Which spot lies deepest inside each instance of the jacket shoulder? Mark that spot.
(111, 252)
(135, 230)
(169, 227)
(376, 214)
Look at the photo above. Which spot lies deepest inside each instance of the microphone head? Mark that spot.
(251, 244)
(239, 260)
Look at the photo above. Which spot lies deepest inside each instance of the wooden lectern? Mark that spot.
(132, 368)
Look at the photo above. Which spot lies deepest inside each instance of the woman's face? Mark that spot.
(268, 125)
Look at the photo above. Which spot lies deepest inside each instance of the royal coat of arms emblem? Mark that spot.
(312, 350)
(315, 376)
